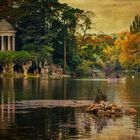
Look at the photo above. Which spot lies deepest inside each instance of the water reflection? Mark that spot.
(66, 123)
(7, 104)
(46, 124)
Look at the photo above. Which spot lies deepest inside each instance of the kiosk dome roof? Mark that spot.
(5, 26)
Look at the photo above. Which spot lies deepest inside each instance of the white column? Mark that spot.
(13, 43)
(9, 44)
(2, 43)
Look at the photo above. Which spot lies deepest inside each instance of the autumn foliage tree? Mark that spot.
(130, 53)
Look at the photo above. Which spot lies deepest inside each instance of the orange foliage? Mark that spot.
(130, 54)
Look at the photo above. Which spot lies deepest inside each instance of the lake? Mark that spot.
(37, 109)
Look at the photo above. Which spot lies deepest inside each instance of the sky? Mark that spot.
(111, 16)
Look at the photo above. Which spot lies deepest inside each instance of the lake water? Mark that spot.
(25, 116)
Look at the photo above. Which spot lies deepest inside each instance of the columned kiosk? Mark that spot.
(7, 36)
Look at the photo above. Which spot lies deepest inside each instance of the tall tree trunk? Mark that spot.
(9, 3)
(25, 68)
(65, 50)
(8, 69)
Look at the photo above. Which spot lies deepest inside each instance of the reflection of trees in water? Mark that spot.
(94, 124)
(136, 121)
(131, 93)
(100, 123)
(28, 89)
(103, 122)
(7, 105)
(7, 96)
(56, 89)
(85, 89)
(56, 123)
(51, 124)
(133, 88)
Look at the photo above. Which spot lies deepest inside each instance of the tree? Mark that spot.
(85, 22)
(34, 32)
(10, 9)
(130, 54)
(47, 29)
(47, 24)
(69, 22)
(24, 59)
(65, 24)
(8, 59)
(93, 49)
(135, 27)
(7, 62)
(112, 52)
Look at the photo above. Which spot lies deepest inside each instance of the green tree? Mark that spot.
(47, 23)
(24, 59)
(85, 22)
(135, 27)
(8, 59)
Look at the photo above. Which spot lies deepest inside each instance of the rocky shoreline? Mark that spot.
(105, 109)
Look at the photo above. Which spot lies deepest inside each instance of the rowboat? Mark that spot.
(111, 79)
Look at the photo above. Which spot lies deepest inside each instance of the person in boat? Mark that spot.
(117, 76)
(114, 76)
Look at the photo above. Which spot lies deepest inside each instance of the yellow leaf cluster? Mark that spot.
(130, 54)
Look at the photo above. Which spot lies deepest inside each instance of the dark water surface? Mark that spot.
(66, 123)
